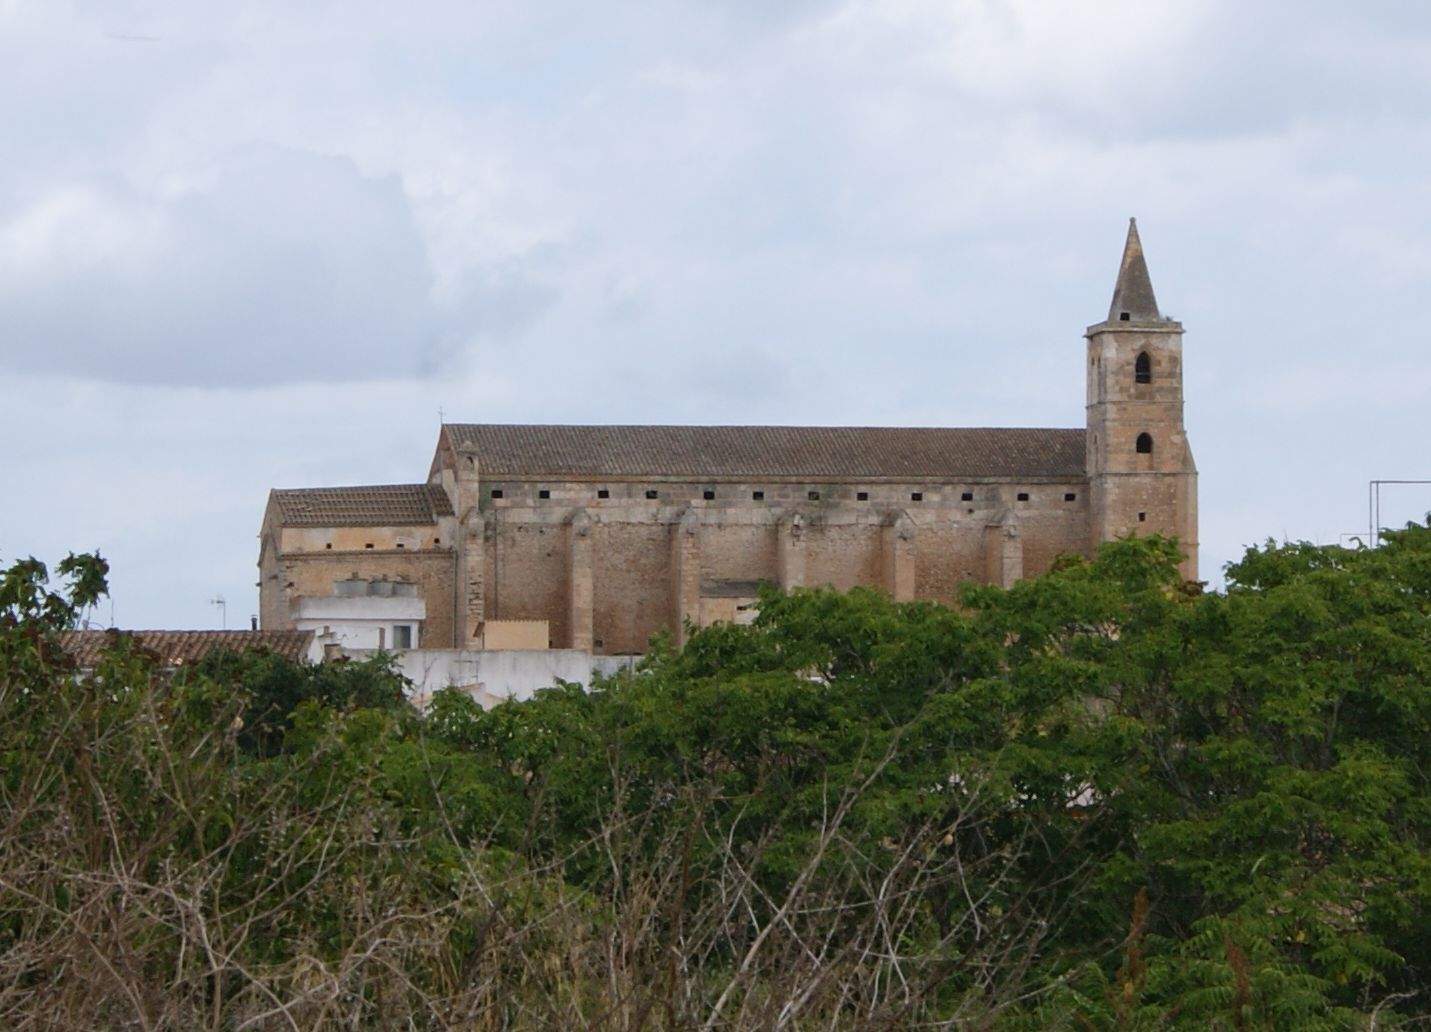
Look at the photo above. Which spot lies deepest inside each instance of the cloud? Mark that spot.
(270, 265)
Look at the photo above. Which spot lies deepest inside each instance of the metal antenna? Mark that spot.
(222, 603)
(1373, 506)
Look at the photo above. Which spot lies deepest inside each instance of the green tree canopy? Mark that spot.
(1103, 798)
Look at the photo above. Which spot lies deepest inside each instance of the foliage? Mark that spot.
(1101, 799)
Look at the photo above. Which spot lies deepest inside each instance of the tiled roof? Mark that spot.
(771, 451)
(379, 505)
(177, 648)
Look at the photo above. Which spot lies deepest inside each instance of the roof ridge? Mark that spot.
(183, 630)
(755, 426)
(354, 487)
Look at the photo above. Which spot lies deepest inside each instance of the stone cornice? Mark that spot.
(445, 554)
(1171, 326)
(853, 482)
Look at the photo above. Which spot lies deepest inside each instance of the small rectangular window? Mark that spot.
(603, 493)
(402, 636)
(1070, 497)
(814, 496)
(967, 496)
(708, 495)
(544, 493)
(1023, 496)
(758, 496)
(1142, 517)
(328, 545)
(916, 496)
(496, 492)
(651, 494)
(862, 496)
(368, 545)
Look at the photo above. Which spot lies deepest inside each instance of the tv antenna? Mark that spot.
(222, 603)
(1373, 506)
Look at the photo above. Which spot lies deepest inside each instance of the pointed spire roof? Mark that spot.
(1133, 299)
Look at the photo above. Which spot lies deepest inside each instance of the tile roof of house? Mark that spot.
(771, 451)
(177, 648)
(378, 505)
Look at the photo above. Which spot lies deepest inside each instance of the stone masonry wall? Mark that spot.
(633, 584)
(526, 568)
(1134, 492)
(653, 560)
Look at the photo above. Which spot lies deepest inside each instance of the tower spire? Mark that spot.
(1133, 299)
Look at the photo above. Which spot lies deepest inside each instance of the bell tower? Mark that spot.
(1141, 475)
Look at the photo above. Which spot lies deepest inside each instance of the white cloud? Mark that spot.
(77, 230)
(1102, 57)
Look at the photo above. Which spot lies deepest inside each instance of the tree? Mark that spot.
(1102, 798)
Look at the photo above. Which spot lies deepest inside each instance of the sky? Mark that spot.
(255, 245)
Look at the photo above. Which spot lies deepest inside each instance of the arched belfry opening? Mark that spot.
(1145, 444)
(1143, 368)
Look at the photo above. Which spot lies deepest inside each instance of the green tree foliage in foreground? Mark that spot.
(1100, 800)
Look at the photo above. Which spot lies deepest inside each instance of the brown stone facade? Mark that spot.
(614, 534)
(611, 572)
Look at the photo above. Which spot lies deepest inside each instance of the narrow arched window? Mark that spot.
(1143, 368)
(1145, 444)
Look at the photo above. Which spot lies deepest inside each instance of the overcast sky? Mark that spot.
(248, 245)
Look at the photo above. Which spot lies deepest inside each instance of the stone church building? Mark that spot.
(597, 537)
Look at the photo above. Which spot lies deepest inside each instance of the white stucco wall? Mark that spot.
(499, 675)
(355, 622)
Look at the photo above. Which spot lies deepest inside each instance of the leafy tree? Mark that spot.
(1103, 798)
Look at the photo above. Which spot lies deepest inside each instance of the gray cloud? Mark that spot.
(273, 266)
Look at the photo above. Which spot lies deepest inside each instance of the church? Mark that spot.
(595, 538)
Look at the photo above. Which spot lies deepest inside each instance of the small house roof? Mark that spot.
(376, 505)
(179, 648)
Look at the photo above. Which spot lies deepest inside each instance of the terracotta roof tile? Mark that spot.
(177, 648)
(379, 505)
(771, 451)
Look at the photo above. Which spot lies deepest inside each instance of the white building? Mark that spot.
(362, 615)
(492, 676)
